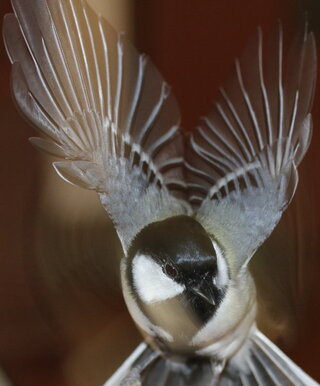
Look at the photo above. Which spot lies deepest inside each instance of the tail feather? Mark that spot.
(138, 356)
(146, 367)
(263, 363)
(157, 374)
(259, 363)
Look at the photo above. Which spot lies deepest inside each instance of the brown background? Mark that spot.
(62, 319)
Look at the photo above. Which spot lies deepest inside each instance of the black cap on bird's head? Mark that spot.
(175, 257)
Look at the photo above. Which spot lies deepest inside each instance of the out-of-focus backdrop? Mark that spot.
(62, 318)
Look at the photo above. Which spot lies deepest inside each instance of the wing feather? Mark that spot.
(103, 107)
(241, 160)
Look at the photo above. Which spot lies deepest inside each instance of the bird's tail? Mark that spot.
(259, 362)
(148, 368)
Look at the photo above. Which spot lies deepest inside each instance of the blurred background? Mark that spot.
(62, 317)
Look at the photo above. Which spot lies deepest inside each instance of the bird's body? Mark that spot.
(195, 309)
(189, 212)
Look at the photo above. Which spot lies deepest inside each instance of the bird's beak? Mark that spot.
(205, 291)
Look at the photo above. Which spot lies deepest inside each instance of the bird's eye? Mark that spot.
(170, 270)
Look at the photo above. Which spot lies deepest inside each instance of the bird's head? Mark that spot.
(177, 259)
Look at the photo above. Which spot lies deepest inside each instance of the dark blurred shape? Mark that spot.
(29, 352)
(194, 45)
(312, 10)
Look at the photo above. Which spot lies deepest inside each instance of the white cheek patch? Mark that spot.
(151, 283)
(222, 278)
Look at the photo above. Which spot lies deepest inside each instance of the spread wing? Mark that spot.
(241, 159)
(101, 106)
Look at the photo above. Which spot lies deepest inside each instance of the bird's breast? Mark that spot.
(174, 327)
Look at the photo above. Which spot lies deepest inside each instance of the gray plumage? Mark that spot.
(106, 111)
(265, 365)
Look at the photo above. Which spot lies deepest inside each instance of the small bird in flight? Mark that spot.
(190, 210)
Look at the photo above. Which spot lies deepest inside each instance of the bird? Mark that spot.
(190, 209)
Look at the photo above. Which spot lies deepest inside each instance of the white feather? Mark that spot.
(223, 274)
(151, 283)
